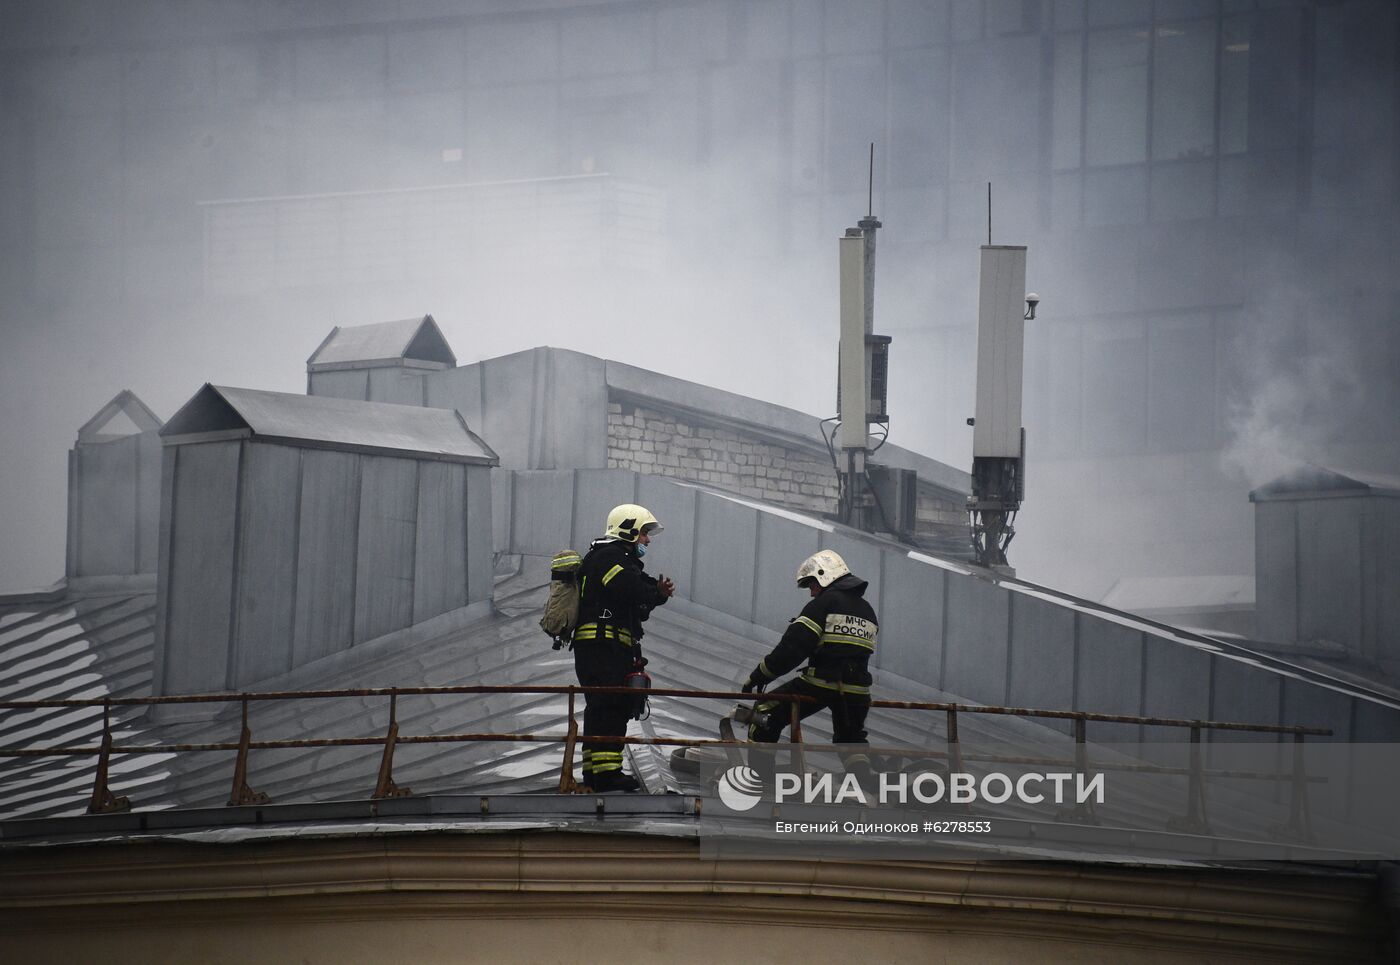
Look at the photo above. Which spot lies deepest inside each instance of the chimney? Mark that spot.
(1327, 563)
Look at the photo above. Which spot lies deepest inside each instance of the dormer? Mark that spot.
(382, 362)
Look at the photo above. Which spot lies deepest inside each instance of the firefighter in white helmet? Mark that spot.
(835, 634)
(615, 599)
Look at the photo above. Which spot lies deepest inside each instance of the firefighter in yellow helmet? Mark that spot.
(615, 598)
(835, 634)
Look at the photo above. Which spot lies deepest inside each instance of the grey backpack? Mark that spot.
(561, 606)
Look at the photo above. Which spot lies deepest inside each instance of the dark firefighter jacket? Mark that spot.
(615, 596)
(835, 632)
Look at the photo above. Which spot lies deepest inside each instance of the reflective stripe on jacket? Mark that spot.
(836, 632)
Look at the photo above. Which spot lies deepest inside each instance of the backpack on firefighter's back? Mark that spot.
(561, 607)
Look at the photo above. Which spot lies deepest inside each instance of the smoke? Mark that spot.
(1299, 389)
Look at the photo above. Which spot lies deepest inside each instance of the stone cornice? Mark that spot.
(1283, 911)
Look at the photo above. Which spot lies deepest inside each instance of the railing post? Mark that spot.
(103, 800)
(242, 794)
(1082, 813)
(1299, 826)
(567, 784)
(385, 786)
(955, 758)
(1194, 821)
(799, 760)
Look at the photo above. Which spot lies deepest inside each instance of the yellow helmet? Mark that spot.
(628, 521)
(824, 566)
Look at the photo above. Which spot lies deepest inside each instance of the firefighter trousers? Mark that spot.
(603, 663)
(848, 712)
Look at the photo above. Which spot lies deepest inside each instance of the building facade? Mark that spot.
(1208, 189)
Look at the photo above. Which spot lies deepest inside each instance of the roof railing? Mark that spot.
(1194, 819)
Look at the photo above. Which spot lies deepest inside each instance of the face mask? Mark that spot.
(641, 549)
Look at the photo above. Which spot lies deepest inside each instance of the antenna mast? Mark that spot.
(864, 365)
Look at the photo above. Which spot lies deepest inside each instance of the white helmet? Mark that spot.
(628, 521)
(824, 566)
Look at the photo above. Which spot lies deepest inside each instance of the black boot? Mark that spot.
(614, 781)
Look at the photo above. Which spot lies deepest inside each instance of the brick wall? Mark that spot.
(653, 440)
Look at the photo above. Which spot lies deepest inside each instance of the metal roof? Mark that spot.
(105, 648)
(410, 338)
(329, 422)
(124, 404)
(1134, 593)
(1313, 481)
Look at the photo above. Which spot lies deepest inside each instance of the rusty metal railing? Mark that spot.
(1194, 820)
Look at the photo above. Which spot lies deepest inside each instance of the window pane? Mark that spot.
(918, 215)
(917, 23)
(967, 20)
(855, 91)
(1065, 193)
(1104, 12)
(1069, 68)
(1115, 196)
(996, 107)
(1175, 9)
(425, 60)
(918, 148)
(1061, 433)
(1181, 382)
(1234, 86)
(1183, 91)
(1012, 17)
(1115, 381)
(852, 27)
(1116, 126)
(605, 43)
(1069, 14)
(1234, 185)
(806, 126)
(762, 29)
(1183, 190)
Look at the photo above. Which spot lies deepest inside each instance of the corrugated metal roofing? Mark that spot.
(320, 420)
(416, 338)
(100, 648)
(72, 649)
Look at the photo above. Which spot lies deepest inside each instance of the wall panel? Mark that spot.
(203, 528)
(107, 507)
(388, 533)
(440, 556)
(726, 536)
(975, 661)
(911, 619)
(267, 562)
(480, 571)
(327, 544)
(782, 546)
